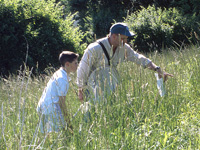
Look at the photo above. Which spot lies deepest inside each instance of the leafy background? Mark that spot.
(36, 31)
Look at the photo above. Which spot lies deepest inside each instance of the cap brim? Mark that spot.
(130, 34)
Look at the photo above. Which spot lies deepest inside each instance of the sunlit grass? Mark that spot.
(134, 117)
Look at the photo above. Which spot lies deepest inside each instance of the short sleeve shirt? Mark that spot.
(57, 86)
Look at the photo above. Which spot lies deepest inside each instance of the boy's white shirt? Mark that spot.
(57, 86)
(94, 58)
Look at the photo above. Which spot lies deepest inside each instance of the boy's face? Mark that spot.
(73, 65)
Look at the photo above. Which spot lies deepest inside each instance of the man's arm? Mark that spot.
(83, 73)
(161, 73)
(145, 62)
(88, 60)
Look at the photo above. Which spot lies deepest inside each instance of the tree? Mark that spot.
(102, 13)
(36, 28)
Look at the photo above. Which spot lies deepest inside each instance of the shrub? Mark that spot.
(157, 28)
(36, 28)
(187, 7)
(102, 14)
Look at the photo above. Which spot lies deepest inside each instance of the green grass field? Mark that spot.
(134, 117)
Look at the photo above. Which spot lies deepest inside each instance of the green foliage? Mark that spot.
(157, 28)
(35, 32)
(105, 12)
(102, 14)
(134, 117)
(139, 4)
(187, 7)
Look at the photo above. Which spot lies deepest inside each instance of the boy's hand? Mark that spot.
(80, 95)
(70, 128)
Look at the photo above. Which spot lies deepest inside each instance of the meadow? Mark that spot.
(134, 117)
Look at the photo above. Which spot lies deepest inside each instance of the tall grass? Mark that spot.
(134, 117)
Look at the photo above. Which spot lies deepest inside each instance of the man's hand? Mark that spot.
(166, 75)
(163, 74)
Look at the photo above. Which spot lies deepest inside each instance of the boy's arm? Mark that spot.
(64, 108)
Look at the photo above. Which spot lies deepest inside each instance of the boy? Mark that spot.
(52, 107)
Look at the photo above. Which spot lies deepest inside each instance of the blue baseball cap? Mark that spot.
(121, 28)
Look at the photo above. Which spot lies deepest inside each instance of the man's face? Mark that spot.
(121, 39)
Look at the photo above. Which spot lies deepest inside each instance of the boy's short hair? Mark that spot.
(67, 56)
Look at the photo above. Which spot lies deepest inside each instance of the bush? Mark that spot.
(187, 7)
(102, 14)
(36, 28)
(157, 28)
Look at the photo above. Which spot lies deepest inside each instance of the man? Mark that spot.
(117, 50)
